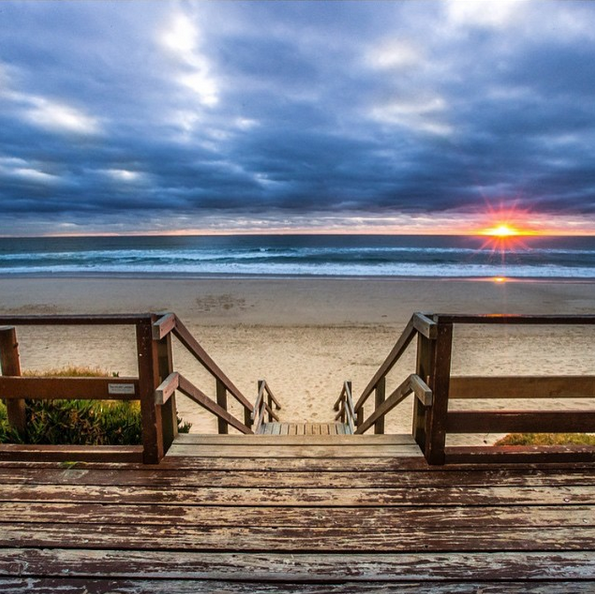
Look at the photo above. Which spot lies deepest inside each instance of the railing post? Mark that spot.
(148, 374)
(9, 360)
(380, 396)
(169, 416)
(222, 425)
(425, 358)
(436, 415)
(359, 419)
(270, 403)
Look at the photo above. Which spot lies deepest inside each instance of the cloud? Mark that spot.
(182, 39)
(336, 113)
(395, 55)
(59, 117)
(482, 13)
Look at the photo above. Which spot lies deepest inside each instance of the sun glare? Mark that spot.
(502, 230)
(506, 229)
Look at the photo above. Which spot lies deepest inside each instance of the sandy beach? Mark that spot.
(306, 336)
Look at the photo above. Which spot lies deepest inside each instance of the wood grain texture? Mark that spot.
(296, 513)
(142, 586)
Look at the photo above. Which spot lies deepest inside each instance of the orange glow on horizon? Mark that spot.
(504, 230)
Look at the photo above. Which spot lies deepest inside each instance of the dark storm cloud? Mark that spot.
(204, 114)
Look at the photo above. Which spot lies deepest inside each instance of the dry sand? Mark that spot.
(305, 336)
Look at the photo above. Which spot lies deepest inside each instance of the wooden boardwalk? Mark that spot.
(302, 514)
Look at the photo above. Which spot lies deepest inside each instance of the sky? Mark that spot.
(356, 117)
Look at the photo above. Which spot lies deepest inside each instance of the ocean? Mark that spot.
(288, 255)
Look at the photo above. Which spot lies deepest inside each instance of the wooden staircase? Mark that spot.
(277, 428)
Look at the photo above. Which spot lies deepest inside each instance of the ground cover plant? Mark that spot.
(78, 422)
(547, 439)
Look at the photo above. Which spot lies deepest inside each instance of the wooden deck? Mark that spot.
(302, 514)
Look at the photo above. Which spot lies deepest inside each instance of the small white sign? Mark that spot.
(120, 388)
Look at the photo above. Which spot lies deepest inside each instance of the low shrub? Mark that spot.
(78, 422)
(547, 439)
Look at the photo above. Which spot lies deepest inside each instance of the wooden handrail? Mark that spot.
(401, 345)
(344, 405)
(422, 391)
(194, 393)
(516, 319)
(166, 388)
(185, 337)
(272, 397)
(263, 406)
(164, 325)
(168, 323)
(413, 384)
(419, 323)
(74, 320)
(425, 325)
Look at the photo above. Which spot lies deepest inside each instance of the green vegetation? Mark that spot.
(547, 439)
(78, 422)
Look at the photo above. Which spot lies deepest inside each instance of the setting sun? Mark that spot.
(502, 230)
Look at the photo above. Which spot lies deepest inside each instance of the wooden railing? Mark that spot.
(432, 420)
(264, 406)
(344, 406)
(427, 329)
(169, 324)
(154, 387)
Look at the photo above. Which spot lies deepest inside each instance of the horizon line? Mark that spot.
(301, 232)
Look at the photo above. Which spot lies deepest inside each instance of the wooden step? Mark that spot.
(304, 429)
(267, 446)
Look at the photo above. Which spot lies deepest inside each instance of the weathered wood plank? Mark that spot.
(520, 454)
(260, 567)
(297, 451)
(462, 519)
(69, 453)
(246, 440)
(447, 496)
(328, 539)
(174, 478)
(143, 586)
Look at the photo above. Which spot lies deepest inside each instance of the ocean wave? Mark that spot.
(345, 257)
